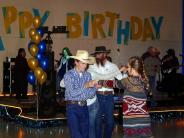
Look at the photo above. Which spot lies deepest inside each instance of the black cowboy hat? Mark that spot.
(101, 49)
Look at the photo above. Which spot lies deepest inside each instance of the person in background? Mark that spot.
(169, 67)
(79, 87)
(152, 66)
(170, 63)
(21, 70)
(147, 53)
(65, 64)
(136, 119)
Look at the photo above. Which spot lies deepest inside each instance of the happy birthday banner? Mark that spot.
(24, 19)
(87, 25)
(136, 28)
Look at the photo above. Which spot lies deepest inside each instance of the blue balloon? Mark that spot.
(44, 63)
(42, 47)
(40, 31)
(39, 56)
(31, 77)
(30, 44)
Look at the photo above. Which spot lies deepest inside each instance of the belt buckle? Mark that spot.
(103, 93)
(81, 103)
(106, 93)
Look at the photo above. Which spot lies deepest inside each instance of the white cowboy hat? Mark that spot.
(83, 56)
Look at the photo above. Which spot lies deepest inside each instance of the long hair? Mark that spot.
(67, 50)
(137, 64)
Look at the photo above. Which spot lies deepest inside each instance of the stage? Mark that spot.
(25, 112)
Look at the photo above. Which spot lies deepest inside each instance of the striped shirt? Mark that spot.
(74, 85)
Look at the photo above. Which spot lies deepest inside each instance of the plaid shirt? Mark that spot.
(74, 85)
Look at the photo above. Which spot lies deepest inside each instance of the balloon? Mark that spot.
(38, 72)
(43, 78)
(40, 31)
(36, 22)
(42, 46)
(36, 38)
(30, 44)
(31, 78)
(39, 56)
(32, 32)
(44, 63)
(33, 50)
(33, 63)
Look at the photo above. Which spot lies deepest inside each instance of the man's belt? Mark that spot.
(80, 103)
(105, 93)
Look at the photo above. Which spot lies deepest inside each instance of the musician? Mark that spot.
(169, 67)
(170, 63)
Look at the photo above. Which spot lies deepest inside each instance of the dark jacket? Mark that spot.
(21, 70)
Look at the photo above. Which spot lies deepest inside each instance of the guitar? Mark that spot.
(169, 70)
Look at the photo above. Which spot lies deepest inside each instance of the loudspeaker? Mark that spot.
(47, 93)
(47, 99)
(6, 77)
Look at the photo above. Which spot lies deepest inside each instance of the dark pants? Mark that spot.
(172, 83)
(78, 121)
(21, 89)
(106, 109)
(152, 80)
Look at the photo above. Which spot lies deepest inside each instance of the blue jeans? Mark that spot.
(93, 109)
(78, 121)
(106, 108)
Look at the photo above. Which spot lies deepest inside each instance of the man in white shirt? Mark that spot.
(102, 103)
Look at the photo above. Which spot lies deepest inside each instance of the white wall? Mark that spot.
(170, 32)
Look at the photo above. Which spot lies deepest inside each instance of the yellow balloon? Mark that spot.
(43, 78)
(36, 38)
(33, 50)
(32, 32)
(33, 63)
(36, 22)
(38, 72)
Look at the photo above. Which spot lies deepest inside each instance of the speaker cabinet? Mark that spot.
(8, 76)
(47, 99)
(47, 93)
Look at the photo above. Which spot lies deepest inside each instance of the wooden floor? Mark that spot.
(167, 129)
(29, 106)
(161, 129)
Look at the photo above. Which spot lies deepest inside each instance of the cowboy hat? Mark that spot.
(101, 49)
(83, 56)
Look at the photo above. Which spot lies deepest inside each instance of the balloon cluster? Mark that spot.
(38, 63)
